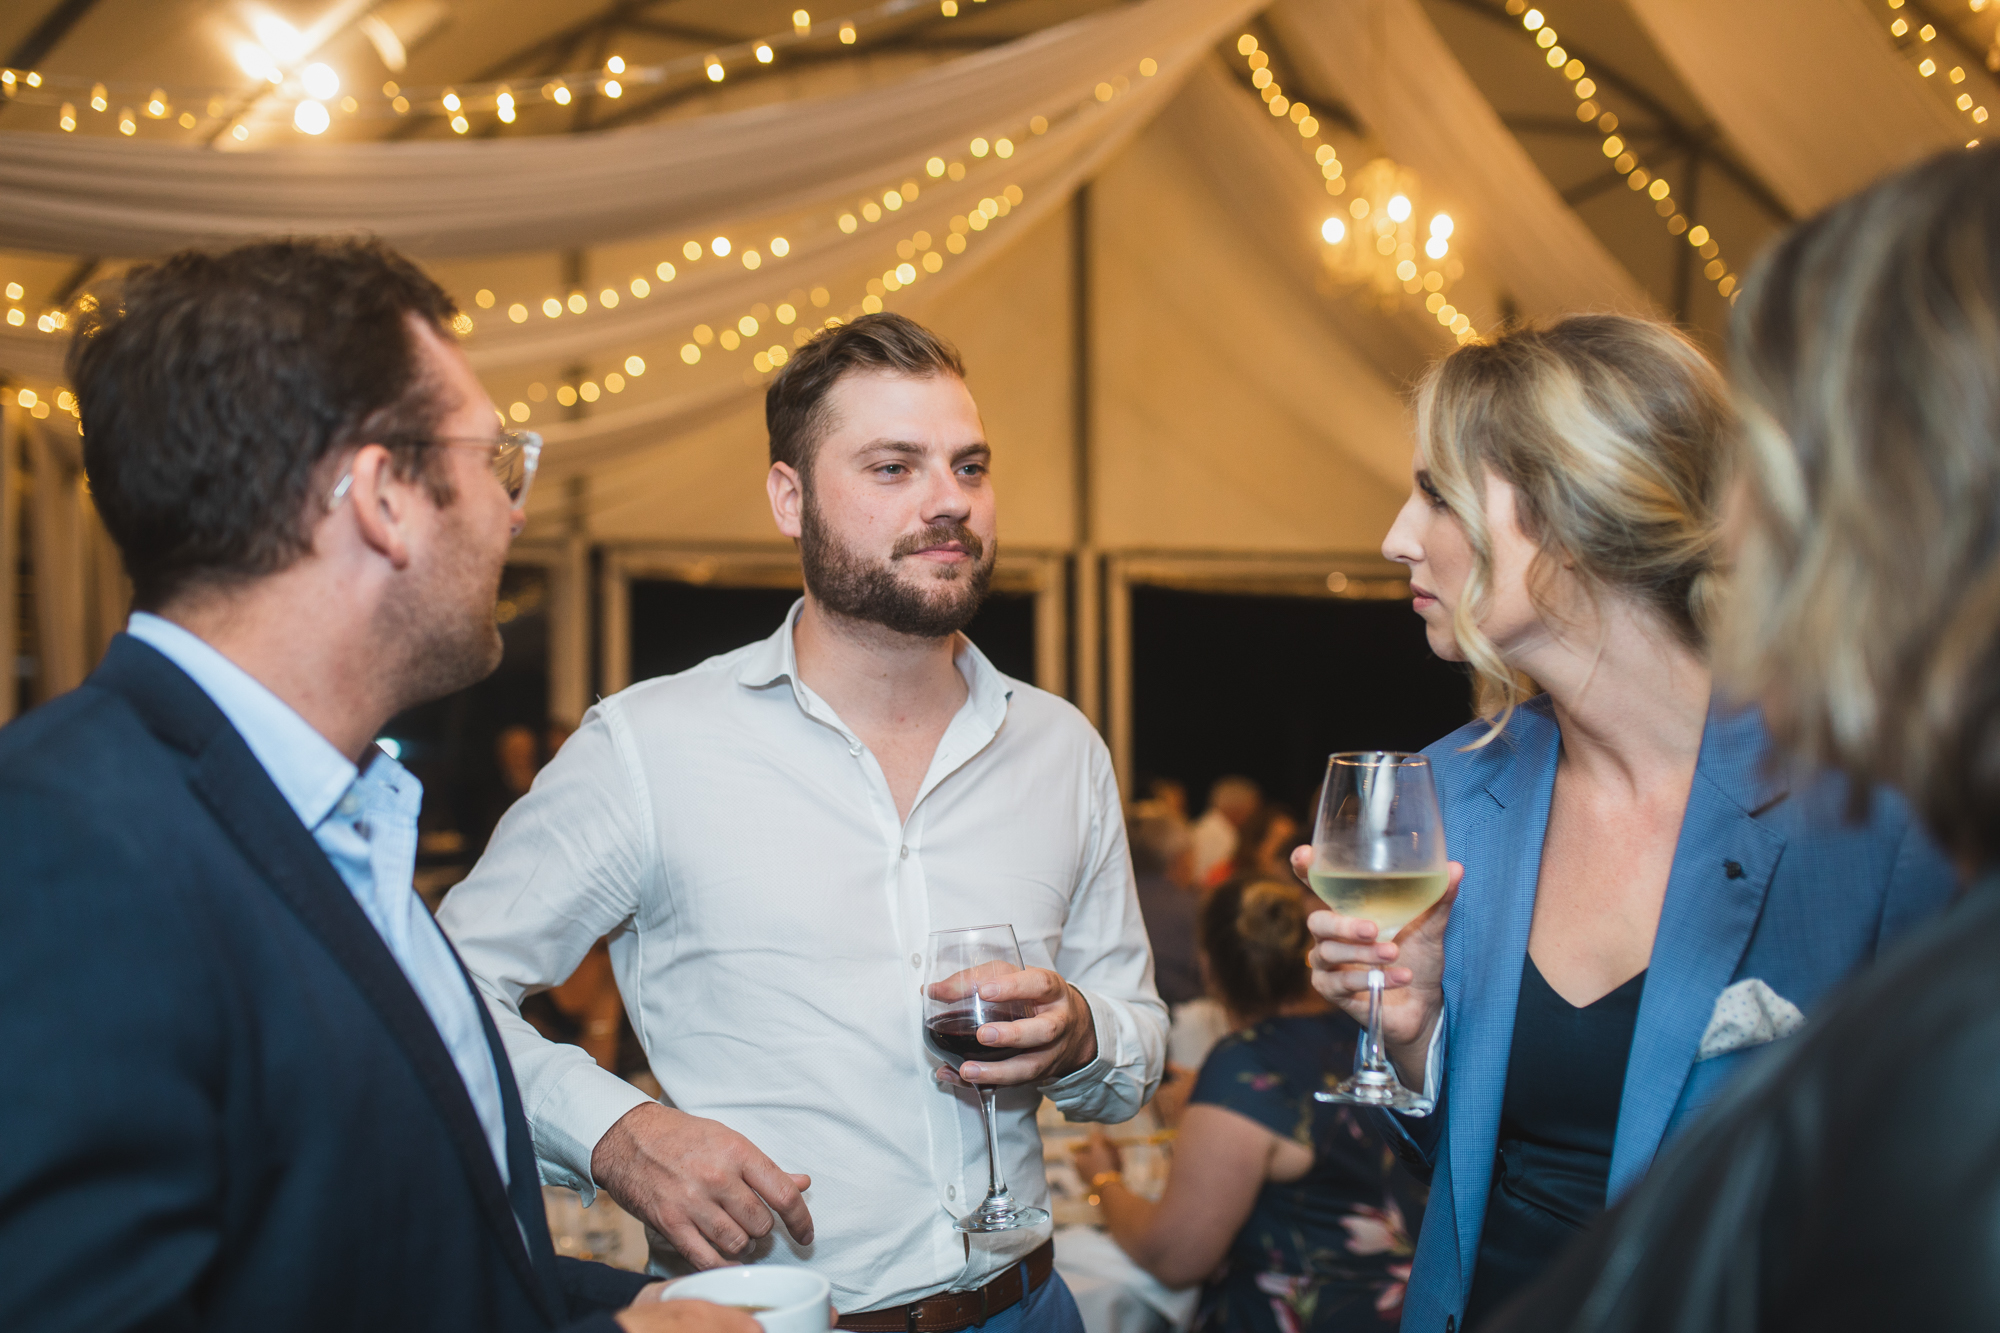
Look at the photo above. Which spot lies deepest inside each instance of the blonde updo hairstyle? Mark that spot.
(1613, 432)
(1254, 939)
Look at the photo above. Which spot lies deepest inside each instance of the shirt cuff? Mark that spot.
(1433, 1068)
(568, 1123)
(1073, 1086)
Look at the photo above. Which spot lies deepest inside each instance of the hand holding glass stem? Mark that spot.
(976, 989)
(1378, 860)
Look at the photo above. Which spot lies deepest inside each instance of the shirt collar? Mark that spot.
(776, 659)
(308, 771)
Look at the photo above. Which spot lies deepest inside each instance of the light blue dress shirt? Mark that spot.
(366, 823)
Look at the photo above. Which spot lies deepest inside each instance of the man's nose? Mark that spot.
(944, 497)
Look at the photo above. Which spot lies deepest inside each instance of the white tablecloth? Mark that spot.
(1113, 1294)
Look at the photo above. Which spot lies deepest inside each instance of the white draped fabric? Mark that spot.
(1387, 61)
(1810, 91)
(90, 195)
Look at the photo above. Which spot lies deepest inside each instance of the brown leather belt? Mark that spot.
(950, 1311)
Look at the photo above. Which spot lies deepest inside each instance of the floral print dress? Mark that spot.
(1331, 1250)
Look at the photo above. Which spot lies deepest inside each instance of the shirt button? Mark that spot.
(905, 853)
(951, 1191)
(854, 750)
(916, 960)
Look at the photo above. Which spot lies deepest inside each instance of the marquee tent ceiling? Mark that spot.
(1164, 359)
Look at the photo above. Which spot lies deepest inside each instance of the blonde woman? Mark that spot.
(1643, 902)
(1854, 1183)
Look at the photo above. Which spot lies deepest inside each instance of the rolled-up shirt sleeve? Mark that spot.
(1106, 956)
(565, 868)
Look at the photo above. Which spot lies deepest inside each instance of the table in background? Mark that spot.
(1113, 1294)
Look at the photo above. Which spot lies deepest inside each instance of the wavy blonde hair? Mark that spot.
(1613, 432)
(1867, 360)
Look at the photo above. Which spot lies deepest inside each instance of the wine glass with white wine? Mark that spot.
(1378, 854)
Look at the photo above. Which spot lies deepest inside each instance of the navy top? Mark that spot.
(1565, 1078)
(1330, 1251)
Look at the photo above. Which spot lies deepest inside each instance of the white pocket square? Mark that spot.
(1747, 1014)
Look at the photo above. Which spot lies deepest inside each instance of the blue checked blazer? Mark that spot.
(1768, 882)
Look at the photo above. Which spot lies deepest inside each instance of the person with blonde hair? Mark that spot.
(1853, 1182)
(1643, 902)
(1290, 1212)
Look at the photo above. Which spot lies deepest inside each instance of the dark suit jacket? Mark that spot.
(223, 1105)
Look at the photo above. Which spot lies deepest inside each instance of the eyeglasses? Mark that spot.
(514, 456)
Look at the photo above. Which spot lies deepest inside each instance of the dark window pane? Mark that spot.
(1269, 686)
(1004, 630)
(680, 625)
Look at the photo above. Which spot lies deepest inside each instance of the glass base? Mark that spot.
(1001, 1214)
(1372, 1089)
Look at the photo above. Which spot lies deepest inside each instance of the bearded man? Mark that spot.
(769, 839)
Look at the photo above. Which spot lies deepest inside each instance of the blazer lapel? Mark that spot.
(245, 802)
(1722, 869)
(523, 1172)
(1483, 984)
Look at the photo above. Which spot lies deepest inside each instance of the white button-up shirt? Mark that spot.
(769, 912)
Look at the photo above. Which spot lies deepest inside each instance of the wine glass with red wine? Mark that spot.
(959, 961)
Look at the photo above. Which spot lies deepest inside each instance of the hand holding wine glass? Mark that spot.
(972, 984)
(1378, 859)
(1346, 947)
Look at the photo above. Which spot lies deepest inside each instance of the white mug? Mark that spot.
(789, 1300)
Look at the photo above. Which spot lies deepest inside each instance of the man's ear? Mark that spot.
(788, 499)
(382, 504)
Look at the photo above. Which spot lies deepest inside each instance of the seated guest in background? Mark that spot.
(1852, 1183)
(250, 1085)
(1231, 803)
(894, 784)
(1265, 843)
(1644, 900)
(1293, 1212)
(517, 757)
(1163, 873)
(1165, 799)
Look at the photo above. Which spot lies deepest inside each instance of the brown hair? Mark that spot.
(795, 406)
(1867, 611)
(213, 387)
(1613, 433)
(1253, 934)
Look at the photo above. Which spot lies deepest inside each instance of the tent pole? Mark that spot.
(1087, 634)
(569, 614)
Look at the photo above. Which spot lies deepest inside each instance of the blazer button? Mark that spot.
(1733, 869)
(1450, 1324)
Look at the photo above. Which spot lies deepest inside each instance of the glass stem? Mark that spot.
(996, 1183)
(1375, 1061)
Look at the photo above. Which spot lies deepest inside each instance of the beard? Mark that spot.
(927, 604)
(443, 623)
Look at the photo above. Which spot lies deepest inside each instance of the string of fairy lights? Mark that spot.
(312, 95)
(919, 254)
(1625, 160)
(1381, 244)
(1917, 44)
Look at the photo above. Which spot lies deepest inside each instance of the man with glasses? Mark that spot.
(249, 1084)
